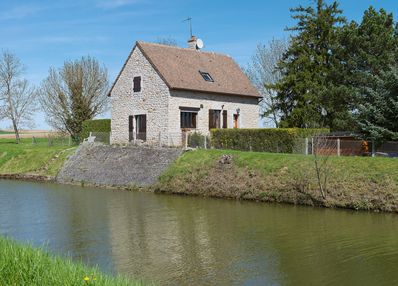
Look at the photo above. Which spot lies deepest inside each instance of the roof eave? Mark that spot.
(216, 92)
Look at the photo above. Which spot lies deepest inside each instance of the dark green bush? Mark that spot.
(96, 126)
(278, 140)
(197, 140)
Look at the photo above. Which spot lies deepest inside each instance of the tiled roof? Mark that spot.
(180, 69)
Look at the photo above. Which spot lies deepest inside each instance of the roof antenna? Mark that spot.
(189, 19)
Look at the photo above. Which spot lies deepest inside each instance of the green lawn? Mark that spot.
(360, 168)
(25, 265)
(353, 182)
(40, 158)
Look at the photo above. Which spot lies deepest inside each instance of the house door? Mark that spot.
(140, 121)
(131, 128)
(236, 120)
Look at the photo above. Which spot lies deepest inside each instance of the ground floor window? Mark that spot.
(188, 119)
(214, 118)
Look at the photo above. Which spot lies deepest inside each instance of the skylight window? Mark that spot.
(206, 76)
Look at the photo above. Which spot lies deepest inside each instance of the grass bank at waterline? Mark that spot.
(42, 159)
(24, 265)
(361, 183)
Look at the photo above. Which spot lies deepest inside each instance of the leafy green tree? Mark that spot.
(378, 112)
(74, 93)
(311, 92)
(369, 47)
(370, 50)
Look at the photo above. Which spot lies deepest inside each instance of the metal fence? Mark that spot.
(53, 140)
(321, 145)
(349, 147)
(156, 139)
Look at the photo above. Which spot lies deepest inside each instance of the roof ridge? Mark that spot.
(181, 48)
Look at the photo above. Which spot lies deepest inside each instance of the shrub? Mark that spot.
(277, 140)
(197, 140)
(96, 125)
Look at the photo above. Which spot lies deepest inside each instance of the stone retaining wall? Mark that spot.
(116, 166)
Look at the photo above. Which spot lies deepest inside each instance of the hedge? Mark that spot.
(96, 125)
(279, 140)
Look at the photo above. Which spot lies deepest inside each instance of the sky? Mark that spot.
(45, 33)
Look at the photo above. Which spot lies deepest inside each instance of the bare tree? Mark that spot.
(262, 72)
(74, 93)
(167, 41)
(17, 97)
(323, 147)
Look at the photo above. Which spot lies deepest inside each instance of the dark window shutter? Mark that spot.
(224, 119)
(137, 84)
(194, 120)
(211, 119)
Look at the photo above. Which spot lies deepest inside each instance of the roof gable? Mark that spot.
(181, 69)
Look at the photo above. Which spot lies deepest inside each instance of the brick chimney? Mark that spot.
(192, 43)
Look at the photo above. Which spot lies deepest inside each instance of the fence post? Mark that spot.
(160, 139)
(205, 141)
(373, 148)
(186, 140)
(338, 146)
(312, 146)
(306, 146)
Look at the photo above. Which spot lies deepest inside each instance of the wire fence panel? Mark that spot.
(353, 148)
(321, 145)
(387, 149)
(101, 137)
(53, 140)
(324, 146)
(198, 140)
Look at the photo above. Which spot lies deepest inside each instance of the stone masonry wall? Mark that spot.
(116, 166)
(152, 100)
(248, 116)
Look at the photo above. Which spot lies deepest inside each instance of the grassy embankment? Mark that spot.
(24, 265)
(29, 159)
(354, 182)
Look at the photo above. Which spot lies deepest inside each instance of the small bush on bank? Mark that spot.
(198, 140)
(96, 125)
(276, 140)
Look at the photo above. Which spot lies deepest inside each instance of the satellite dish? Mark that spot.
(199, 44)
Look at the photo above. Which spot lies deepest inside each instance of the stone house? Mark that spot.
(164, 91)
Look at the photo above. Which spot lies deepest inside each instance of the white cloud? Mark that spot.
(20, 12)
(66, 39)
(112, 4)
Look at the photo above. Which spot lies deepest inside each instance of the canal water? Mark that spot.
(174, 240)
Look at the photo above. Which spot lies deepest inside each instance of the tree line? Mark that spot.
(68, 96)
(332, 72)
